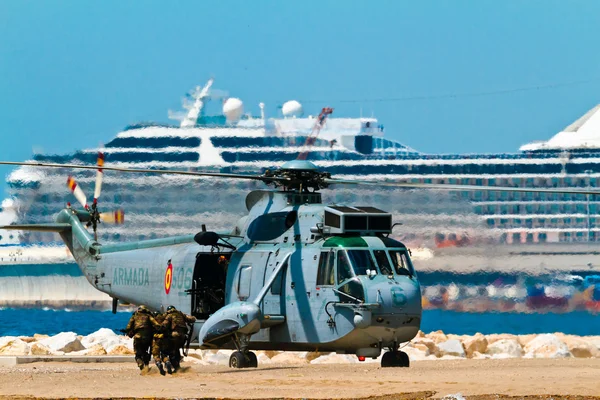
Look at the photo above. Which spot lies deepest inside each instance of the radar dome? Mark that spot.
(233, 109)
(292, 109)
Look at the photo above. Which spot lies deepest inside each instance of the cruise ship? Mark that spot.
(444, 227)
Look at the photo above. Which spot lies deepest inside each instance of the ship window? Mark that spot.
(382, 260)
(325, 274)
(401, 262)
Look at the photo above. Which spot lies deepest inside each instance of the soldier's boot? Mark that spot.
(159, 365)
(140, 363)
(175, 360)
(169, 367)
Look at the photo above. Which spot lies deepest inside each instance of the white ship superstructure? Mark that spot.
(347, 147)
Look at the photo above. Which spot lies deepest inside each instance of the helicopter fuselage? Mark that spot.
(350, 293)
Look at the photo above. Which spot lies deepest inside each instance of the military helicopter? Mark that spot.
(293, 274)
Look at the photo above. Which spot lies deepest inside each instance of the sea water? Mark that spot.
(26, 322)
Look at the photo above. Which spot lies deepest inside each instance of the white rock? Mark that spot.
(437, 336)
(195, 360)
(95, 350)
(421, 343)
(289, 358)
(64, 341)
(38, 349)
(263, 359)
(478, 356)
(494, 337)
(217, 359)
(4, 340)
(120, 350)
(581, 348)
(452, 347)
(226, 353)
(104, 337)
(335, 359)
(14, 347)
(449, 357)
(505, 348)
(547, 346)
(415, 353)
(477, 343)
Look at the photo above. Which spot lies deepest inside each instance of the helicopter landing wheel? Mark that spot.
(237, 360)
(252, 360)
(240, 360)
(395, 359)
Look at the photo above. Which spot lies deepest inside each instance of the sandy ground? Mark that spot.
(479, 379)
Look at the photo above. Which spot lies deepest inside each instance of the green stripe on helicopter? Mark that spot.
(345, 241)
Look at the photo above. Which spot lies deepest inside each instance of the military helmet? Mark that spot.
(142, 308)
(170, 308)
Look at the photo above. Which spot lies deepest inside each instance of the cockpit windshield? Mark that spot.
(353, 263)
(384, 263)
(401, 262)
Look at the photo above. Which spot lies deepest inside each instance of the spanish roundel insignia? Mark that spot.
(168, 277)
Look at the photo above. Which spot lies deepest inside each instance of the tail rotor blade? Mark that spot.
(117, 217)
(99, 176)
(77, 192)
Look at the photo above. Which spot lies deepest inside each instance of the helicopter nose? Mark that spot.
(398, 296)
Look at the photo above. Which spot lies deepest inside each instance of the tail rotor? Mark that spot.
(115, 217)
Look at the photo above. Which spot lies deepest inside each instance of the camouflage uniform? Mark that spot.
(160, 345)
(176, 324)
(141, 327)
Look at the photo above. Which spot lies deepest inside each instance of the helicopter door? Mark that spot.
(273, 301)
(208, 283)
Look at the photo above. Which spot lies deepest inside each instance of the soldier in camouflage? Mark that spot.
(160, 347)
(141, 327)
(176, 324)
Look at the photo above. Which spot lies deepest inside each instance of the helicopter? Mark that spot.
(293, 274)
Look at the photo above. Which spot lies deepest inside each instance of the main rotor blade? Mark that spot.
(150, 171)
(99, 175)
(440, 186)
(77, 192)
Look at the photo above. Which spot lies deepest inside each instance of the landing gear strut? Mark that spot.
(395, 359)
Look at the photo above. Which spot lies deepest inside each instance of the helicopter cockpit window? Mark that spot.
(383, 261)
(344, 270)
(401, 262)
(354, 289)
(361, 261)
(326, 273)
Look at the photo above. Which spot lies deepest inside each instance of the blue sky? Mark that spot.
(73, 74)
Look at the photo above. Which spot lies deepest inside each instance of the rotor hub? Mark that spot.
(300, 175)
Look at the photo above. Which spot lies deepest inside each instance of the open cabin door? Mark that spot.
(208, 283)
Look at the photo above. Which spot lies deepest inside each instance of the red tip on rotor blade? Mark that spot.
(71, 184)
(100, 160)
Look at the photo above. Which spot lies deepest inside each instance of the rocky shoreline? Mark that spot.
(431, 346)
